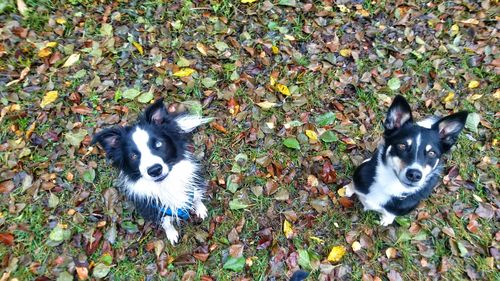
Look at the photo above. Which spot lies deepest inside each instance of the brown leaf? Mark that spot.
(328, 174)
(485, 211)
(201, 256)
(82, 272)
(393, 275)
(346, 202)
(81, 109)
(94, 242)
(6, 186)
(7, 238)
(236, 250)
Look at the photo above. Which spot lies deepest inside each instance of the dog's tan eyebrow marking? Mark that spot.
(428, 147)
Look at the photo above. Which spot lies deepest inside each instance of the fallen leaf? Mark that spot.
(51, 44)
(291, 143)
(7, 238)
(184, 72)
(61, 20)
(234, 264)
(391, 253)
(472, 121)
(345, 52)
(45, 52)
(356, 246)
(287, 229)
(266, 104)
(394, 83)
(312, 135)
(49, 98)
(282, 89)
(138, 46)
(346, 202)
(473, 84)
(449, 97)
(71, 60)
(336, 254)
(22, 8)
(6, 186)
(248, 1)
(82, 272)
(202, 49)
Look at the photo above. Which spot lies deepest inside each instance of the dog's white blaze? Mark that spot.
(147, 158)
(174, 191)
(419, 140)
(188, 123)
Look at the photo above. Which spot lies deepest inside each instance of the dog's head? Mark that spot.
(151, 147)
(413, 151)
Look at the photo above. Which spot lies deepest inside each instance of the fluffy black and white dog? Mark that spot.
(406, 167)
(156, 171)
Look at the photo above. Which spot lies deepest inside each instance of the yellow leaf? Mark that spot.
(201, 48)
(476, 97)
(61, 20)
(363, 13)
(138, 47)
(356, 246)
(71, 60)
(345, 52)
(272, 81)
(343, 8)
(317, 239)
(45, 52)
(248, 1)
(282, 89)
(470, 21)
(184, 72)
(496, 95)
(449, 97)
(275, 50)
(341, 191)
(473, 84)
(289, 37)
(266, 104)
(51, 44)
(336, 253)
(391, 253)
(312, 135)
(287, 229)
(454, 29)
(49, 98)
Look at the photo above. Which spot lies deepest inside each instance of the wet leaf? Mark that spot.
(394, 83)
(234, 264)
(266, 104)
(336, 254)
(473, 84)
(287, 229)
(472, 121)
(312, 135)
(184, 72)
(49, 98)
(325, 119)
(72, 59)
(282, 89)
(291, 143)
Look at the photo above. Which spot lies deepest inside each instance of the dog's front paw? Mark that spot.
(201, 211)
(172, 235)
(349, 190)
(387, 219)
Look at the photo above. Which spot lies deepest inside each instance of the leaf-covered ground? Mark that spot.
(298, 92)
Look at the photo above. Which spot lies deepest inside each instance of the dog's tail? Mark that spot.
(299, 275)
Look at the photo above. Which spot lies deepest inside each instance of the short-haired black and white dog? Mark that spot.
(406, 167)
(156, 171)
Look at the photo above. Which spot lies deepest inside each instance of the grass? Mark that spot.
(172, 30)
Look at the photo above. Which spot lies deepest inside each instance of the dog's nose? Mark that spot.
(413, 175)
(155, 170)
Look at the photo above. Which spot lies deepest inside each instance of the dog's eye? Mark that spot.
(431, 154)
(158, 144)
(133, 156)
(402, 146)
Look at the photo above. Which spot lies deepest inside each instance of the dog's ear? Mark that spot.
(449, 127)
(156, 113)
(399, 113)
(188, 123)
(110, 139)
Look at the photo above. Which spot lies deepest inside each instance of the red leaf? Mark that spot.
(346, 202)
(328, 174)
(6, 186)
(7, 238)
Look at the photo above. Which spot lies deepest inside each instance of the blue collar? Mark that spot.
(182, 213)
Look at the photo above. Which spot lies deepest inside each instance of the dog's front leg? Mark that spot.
(199, 208)
(170, 231)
